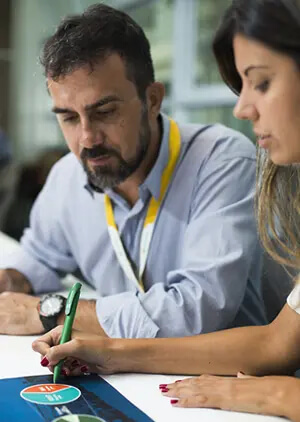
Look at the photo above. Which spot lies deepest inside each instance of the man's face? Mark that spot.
(103, 120)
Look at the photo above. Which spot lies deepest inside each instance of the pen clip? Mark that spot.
(72, 297)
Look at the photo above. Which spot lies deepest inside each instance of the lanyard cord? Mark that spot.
(152, 212)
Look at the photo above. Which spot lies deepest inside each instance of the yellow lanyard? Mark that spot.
(153, 208)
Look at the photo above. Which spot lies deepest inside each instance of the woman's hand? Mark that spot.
(83, 353)
(271, 395)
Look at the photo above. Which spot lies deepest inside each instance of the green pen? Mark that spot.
(70, 311)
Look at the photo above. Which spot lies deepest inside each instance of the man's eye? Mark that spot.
(103, 113)
(69, 118)
(263, 87)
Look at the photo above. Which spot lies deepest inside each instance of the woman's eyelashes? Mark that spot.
(263, 86)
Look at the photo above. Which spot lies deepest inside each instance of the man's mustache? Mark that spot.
(96, 152)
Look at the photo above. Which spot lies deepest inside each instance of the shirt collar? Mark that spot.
(153, 180)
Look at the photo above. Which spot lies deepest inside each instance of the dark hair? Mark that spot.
(275, 23)
(92, 36)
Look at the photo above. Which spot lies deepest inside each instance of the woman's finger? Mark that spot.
(199, 400)
(242, 375)
(63, 351)
(46, 341)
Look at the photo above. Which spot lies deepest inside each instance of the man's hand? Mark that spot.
(13, 281)
(19, 314)
(85, 352)
(86, 318)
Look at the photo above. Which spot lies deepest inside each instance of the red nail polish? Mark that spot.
(162, 385)
(64, 372)
(44, 361)
(84, 369)
(164, 390)
(178, 381)
(173, 401)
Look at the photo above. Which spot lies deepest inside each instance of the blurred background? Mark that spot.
(180, 33)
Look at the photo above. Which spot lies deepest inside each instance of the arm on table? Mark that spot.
(271, 395)
(24, 318)
(270, 349)
(85, 318)
(14, 281)
(37, 267)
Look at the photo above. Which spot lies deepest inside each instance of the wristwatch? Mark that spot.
(50, 308)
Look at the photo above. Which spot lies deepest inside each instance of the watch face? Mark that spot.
(51, 305)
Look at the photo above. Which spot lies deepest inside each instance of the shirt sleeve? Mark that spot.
(44, 256)
(293, 299)
(220, 243)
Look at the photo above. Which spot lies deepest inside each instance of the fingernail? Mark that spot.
(64, 372)
(84, 368)
(162, 385)
(178, 381)
(44, 361)
(173, 401)
(164, 390)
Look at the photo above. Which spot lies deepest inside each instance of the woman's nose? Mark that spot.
(245, 110)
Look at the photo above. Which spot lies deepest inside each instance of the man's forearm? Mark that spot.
(86, 318)
(247, 349)
(14, 281)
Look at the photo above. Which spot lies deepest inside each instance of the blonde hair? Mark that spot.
(278, 209)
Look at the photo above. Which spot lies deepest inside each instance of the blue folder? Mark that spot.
(98, 398)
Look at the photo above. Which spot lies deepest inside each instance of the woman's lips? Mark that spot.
(264, 141)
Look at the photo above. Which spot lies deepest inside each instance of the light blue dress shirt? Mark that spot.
(204, 264)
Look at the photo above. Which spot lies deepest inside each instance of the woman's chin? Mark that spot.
(283, 159)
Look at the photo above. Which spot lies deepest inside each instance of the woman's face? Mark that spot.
(270, 98)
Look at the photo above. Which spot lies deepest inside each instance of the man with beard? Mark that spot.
(157, 216)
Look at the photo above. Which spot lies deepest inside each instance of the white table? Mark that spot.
(17, 359)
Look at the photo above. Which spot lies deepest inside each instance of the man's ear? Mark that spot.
(155, 95)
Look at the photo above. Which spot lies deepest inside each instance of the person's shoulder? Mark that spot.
(215, 140)
(67, 163)
(66, 170)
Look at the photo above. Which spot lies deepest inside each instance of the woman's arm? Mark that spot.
(270, 349)
(271, 395)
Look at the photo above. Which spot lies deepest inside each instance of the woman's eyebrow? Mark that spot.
(252, 67)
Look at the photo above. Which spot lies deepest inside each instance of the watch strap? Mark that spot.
(50, 321)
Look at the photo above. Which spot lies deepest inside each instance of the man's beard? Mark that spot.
(105, 176)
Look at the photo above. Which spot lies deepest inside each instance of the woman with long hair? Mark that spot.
(257, 47)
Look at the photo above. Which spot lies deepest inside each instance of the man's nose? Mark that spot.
(90, 135)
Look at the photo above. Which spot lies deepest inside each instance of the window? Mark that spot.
(208, 15)
(156, 19)
(208, 100)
